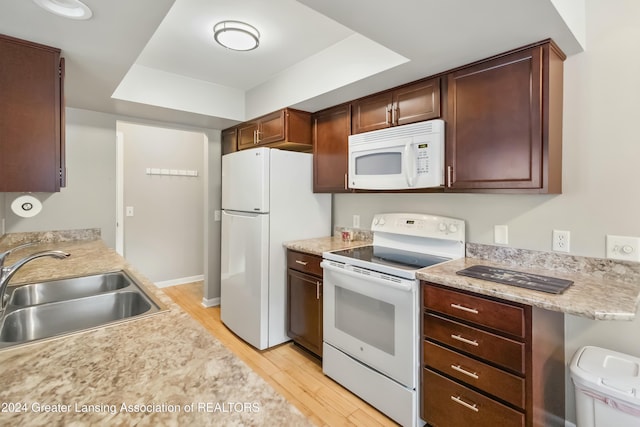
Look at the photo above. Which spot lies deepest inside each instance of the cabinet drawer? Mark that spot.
(485, 345)
(304, 262)
(501, 384)
(447, 403)
(492, 314)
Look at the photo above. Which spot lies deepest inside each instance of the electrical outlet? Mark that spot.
(561, 240)
(216, 215)
(356, 221)
(623, 248)
(129, 211)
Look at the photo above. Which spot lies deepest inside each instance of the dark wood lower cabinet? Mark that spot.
(304, 300)
(450, 404)
(479, 370)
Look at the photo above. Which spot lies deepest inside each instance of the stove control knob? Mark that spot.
(382, 222)
(453, 228)
(375, 221)
(442, 226)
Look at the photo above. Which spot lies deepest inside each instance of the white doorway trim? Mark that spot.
(120, 193)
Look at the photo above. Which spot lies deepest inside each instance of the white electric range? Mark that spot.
(371, 308)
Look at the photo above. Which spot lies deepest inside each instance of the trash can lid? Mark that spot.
(607, 372)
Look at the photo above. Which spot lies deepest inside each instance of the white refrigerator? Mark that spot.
(267, 199)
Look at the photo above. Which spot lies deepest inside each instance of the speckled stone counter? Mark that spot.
(324, 244)
(162, 369)
(602, 289)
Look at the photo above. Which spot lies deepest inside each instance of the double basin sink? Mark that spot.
(47, 309)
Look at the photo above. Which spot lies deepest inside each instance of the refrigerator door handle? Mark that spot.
(241, 213)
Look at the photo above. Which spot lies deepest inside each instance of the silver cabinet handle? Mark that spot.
(465, 340)
(472, 406)
(346, 186)
(463, 308)
(449, 176)
(301, 262)
(317, 290)
(387, 110)
(464, 371)
(394, 114)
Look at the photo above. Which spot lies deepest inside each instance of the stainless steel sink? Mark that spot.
(65, 289)
(48, 309)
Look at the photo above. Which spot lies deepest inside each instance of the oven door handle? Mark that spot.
(403, 285)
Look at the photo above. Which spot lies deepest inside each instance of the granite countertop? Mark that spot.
(603, 289)
(589, 296)
(324, 244)
(162, 369)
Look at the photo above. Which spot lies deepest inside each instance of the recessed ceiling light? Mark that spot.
(72, 9)
(236, 35)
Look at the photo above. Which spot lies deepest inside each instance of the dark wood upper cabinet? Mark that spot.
(31, 117)
(287, 129)
(331, 130)
(504, 123)
(229, 140)
(411, 103)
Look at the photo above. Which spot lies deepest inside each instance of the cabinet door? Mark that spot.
(31, 125)
(229, 141)
(372, 113)
(416, 103)
(494, 137)
(331, 129)
(272, 128)
(247, 135)
(304, 298)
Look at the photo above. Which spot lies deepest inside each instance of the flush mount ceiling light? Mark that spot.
(72, 9)
(236, 35)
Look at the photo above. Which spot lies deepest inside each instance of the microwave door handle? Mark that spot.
(410, 168)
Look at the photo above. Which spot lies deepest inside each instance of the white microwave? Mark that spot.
(398, 158)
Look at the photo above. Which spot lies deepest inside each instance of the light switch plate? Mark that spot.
(624, 248)
(501, 234)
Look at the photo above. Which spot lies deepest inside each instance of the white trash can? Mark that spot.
(607, 385)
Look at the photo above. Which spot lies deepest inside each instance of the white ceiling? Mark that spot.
(156, 59)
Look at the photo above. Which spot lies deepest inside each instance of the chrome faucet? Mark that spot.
(5, 254)
(6, 273)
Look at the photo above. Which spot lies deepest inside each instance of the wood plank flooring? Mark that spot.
(292, 371)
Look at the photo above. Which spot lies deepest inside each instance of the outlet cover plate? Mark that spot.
(561, 240)
(623, 248)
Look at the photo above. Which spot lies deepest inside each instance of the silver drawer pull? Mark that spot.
(301, 262)
(465, 340)
(463, 308)
(472, 406)
(464, 371)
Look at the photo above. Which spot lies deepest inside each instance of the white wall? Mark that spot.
(164, 238)
(88, 200)
(601, 150)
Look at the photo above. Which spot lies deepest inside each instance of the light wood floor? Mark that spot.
(291, 371)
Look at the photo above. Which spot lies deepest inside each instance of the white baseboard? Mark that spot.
(210, 302)
(180, 281)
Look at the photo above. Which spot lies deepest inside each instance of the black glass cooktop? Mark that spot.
(405, 260)
(535, 282)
